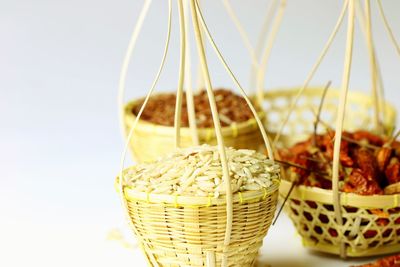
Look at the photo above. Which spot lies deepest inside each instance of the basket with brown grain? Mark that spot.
(154, 134)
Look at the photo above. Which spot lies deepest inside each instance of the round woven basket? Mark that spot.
(186, 231)
(371, 224)
(150, 141)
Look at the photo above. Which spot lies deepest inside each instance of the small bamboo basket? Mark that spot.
(187, 231)
(311, 209)
(151, 141)
(174, 230)
(329, 220)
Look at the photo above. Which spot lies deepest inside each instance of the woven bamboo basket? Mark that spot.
(150, 141)
(182, 231)
(175, 230)
(311, 209)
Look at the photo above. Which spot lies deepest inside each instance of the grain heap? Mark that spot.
(231, 107)
(197, 171)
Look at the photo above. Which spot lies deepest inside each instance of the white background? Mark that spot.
(60, 144)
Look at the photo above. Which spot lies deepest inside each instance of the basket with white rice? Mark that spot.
(178, 206)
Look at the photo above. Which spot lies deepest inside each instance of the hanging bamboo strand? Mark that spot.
(267, 52)
(200, 79)
(340, 118)
(262, 39)
(245, 38)
(388, 28)
(149, 257)
(125, 64)
(312, 72)
(188, 82)
(373, 67)
(242, 91)
(181, 80)
(381, 90)
(217, 126)
(153, 85)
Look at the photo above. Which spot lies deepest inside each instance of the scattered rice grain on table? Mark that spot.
(197, 171)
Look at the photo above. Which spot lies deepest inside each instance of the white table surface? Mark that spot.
(60, 144)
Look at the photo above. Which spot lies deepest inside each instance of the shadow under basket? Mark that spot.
(359, 112)
(186, 231)
(371, 224)
(151, 141)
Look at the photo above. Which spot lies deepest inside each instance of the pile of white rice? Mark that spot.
(197, 171)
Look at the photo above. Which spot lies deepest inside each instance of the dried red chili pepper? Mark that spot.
(383, 156)
(367, 162)
(370, 137)
(392, 172)
(390, 261)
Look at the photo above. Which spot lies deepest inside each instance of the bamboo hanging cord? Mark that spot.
(149, 257)
(312, 72)
(340, 119)
(188, 81)
(267, 52)
(179, 94)
(373, 66)
(217, 126)
(388, 28)
(245, 38)
(380, 95)
(262, 38)
(243, 93)
(125, 64)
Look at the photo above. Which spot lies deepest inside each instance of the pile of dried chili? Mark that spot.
(368, 162)
(390, 261)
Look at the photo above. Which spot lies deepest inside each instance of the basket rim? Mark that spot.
(232, 130)
(325, 196)
(196, 201)
(316, 89)
(353, 95)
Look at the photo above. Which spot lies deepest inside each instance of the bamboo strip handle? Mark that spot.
(373, 68)
(262, 39)
(188, 82)
(243, 34)
(267, 52)
(381, 89)
(125, 64)
(388, 28)
(217, 125)
(243, 93)
(133, 127)
(312, 72)
(179, 93)
(200, 79)
(340, 119)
